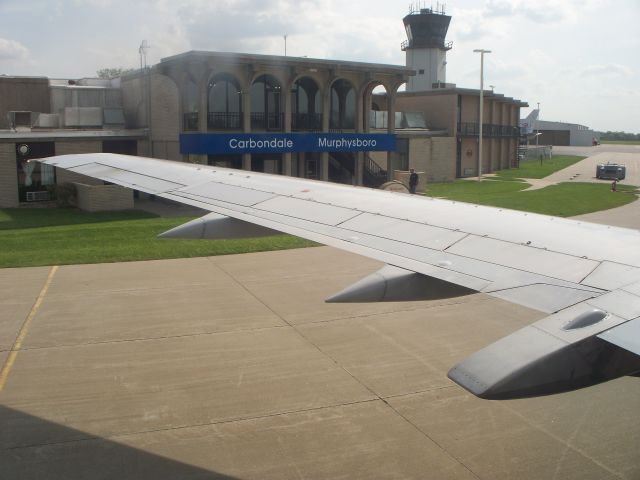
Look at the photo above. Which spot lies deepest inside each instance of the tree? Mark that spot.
(113, 72)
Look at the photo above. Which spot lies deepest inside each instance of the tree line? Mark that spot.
(618, 136)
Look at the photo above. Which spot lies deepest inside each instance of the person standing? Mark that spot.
(413, 181)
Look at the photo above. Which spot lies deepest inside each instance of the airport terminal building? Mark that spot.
(311, 118)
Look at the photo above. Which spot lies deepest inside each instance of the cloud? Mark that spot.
(12, 50)
(607, 70)
(500, 8)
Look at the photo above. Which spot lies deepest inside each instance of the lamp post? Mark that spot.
(481, 52)
(537, 127)
(285, 44)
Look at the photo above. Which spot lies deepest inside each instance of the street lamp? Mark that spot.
(481, 52)
(537, 128)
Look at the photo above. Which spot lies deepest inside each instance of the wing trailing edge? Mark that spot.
(215, 226)
(395, 284)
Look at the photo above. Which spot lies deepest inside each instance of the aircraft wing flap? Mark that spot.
(415, 233)
(523, 257)
(546, 298)
(626, 335)
(610, 276)
(221, 192)
(624, 304)
(136, 181)
(308, 210)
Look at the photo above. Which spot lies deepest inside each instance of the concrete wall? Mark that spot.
(8, 176)
(26, 94)
(433, 63)
(98, 198)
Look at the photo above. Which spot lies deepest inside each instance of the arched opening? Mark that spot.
(266, 104)
(224, 103)
(375, 116)
(343, 106)
(190, 105)
(306, 105)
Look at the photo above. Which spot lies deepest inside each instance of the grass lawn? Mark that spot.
(33, 237)
(536, 169)
(562, 200)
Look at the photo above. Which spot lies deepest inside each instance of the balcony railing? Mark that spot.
(190, 121)
(224, 120)
(267, 121)
(471, 129)
(306, 121)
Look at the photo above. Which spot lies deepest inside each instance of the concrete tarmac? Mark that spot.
(234, 367)
(585, 170)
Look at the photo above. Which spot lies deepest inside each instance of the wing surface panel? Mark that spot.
(132, 180)
(413, 233)
(544, 297)
(624, 304)
(626, 335)
(552, 264)
(610, 276)
(308, 210)
(227, 193)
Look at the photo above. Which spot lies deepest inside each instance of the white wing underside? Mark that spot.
(546, 263)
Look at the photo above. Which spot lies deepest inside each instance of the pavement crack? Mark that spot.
(90, 438)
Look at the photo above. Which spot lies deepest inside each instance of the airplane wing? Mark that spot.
(585, 276)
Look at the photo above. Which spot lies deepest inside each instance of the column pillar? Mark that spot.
(286, 158)
(246, 123)
(326, 114)
(391, 129)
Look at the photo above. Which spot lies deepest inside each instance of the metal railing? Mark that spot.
(306, 121)
(470, 129)
(267, 121)
(224, 120)
(373, 175)
(190, 121)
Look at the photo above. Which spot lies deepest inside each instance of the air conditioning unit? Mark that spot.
(19, 119)
(42, 196)
(47, 120)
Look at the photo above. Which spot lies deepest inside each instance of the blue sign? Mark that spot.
(239, 143)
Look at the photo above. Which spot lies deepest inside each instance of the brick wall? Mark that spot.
(23, 93)
(165, 113)
(439, 110)
(97, 198)
(8, 176)
(435, 156)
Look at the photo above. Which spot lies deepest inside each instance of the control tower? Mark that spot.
(425, 47)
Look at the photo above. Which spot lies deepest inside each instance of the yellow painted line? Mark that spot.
(8, 365)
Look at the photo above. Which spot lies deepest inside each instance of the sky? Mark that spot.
(580, 59)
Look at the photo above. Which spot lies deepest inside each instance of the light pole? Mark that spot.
(537, 127)
(285, 44)
(481, 52)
